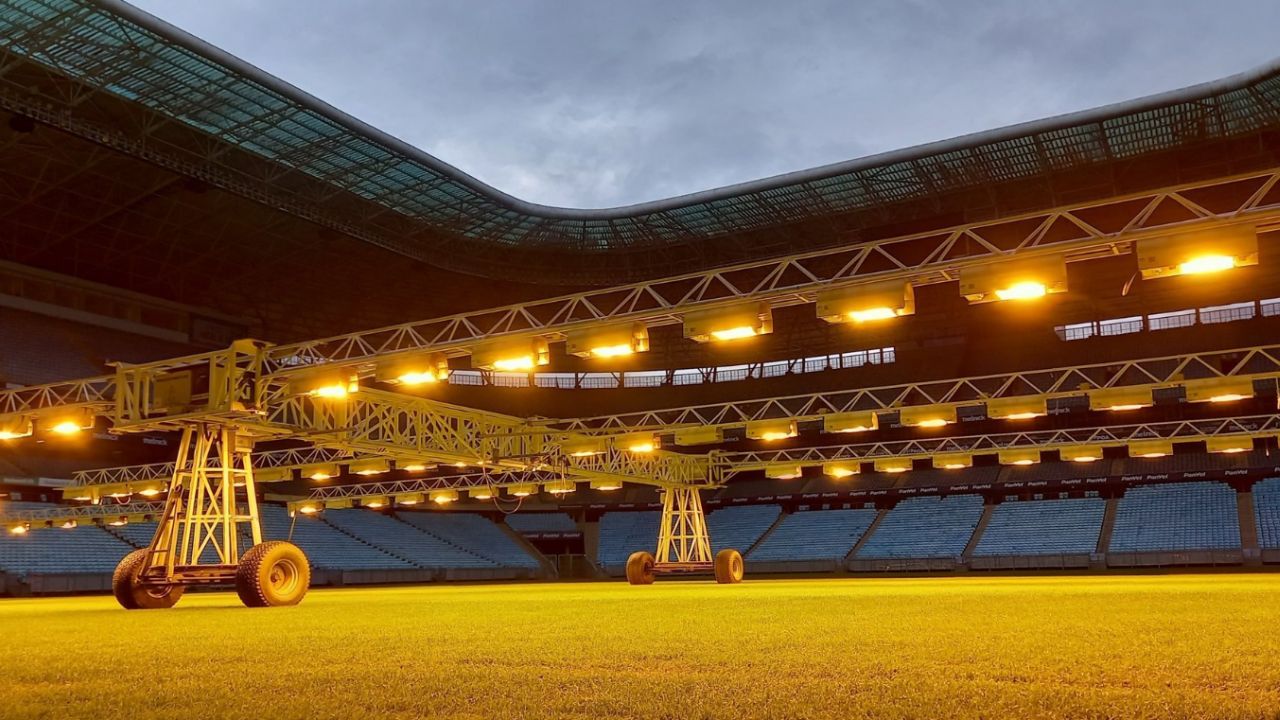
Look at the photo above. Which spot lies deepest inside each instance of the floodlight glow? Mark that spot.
(330, 392)
(481, 493)
(417, 378)
(416, 467)
(609, 351)
(66, 427)
(839, 471)
(119, 523)
(927, 416)
(1227, 444)
(308, 509)
(736, 333)
(149, 492)
(642, 447)
(1025, 290)
(880, 313)
(68, 524)
(606, 485)
(1122, 408)
(524, 362)
(1206, 264)
(319, 476)
(932, 423)
(10, 435)
(443, 497)
(18, 530)
(776, 435)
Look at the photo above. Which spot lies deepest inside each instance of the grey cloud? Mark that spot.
(592, 104)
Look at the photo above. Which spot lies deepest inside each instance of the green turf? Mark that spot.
(1156, 647)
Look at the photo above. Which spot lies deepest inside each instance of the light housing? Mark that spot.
(840, 470)
(1223, 389)
(375, 502)
(729, 323)
(1014, 280)
(1120, 398)
(419, 369)
(1229, 443)
(783, 471)
(13, 427)
(953, 461)
(607, 342)
(327, 384)
(304, 507)
(523, 490)
(321, 471)
(585, 446)
(560, 487)
(1081, 453)
(443, 496)
(1017, 407)
(1153, 448)
(927, 416)
(701, 435)
(409, 499)
(851, 422)
(866, 303)
(149, 488)
(512, 355)
(643, 442)
(893, 465)
(481, 493)
(606, 485)
(1019, 456)
(1198, 253)
(770, 430)
(369, 467)
(67, 421)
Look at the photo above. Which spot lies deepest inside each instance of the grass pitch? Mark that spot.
(1203, 646)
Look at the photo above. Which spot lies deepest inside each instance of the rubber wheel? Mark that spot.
(729, 567)
(133, 595)
(640, 568)
(273, 574)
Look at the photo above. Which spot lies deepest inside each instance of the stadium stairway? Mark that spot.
(983, 521)
(1248, 529)
(871, 530)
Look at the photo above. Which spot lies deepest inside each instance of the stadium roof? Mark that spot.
(449, 219)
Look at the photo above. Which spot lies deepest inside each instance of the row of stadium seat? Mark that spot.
(1198, 516)
(1266, 510)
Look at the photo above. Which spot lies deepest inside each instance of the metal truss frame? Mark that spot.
(732, 464)
(266, 460)
(1260, 362)
(80, 513)
(391, 488)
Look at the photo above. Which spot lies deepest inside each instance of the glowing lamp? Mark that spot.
(14, 427)
(867, 303)
(523, 490)
(512, 355)
(1019, 456)
(1014, 280)
(771, 430)
(68, 422)
(953, 461)
(1229, 444)
(560, 487)
(1120, 398)
(375, 502)
(119, 522)
(1017, 408)
(840, 470)
(150, 489)
(420, 369)
(702, 435)
(413, 467)
(1199, 253)
(332, 384)
(731, 323)
(304, 507)
(19, 529)
(1226, 389)
(893, 465)
(1081, 453)
(69, 524)
(320, 473)
(408, 499)
(1155, 448)
(783, 471)
(608, 342)
(606, 485)
(481, 493)
(369, 467)
(927, 416)
(586, 447)
(638, 442)
(850, 422)
(443, 497)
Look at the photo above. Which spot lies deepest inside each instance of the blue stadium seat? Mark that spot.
(927, 527)
(1043, 527)
(1182, 516)
(740, 527)
(815, 535)
(1266, 510)
(474, 534)
(85, 549)
(622, 533)
(403, 540)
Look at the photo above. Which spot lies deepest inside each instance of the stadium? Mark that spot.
(982, 427)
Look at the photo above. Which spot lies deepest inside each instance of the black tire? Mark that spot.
(132, 594)
(640, 568)
(729, 567)
(273, 574)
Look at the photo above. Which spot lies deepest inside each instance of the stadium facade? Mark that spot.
(162, 199)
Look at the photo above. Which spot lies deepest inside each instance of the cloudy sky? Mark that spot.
(591, 103)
